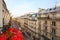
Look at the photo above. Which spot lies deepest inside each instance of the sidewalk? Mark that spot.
(26, 37)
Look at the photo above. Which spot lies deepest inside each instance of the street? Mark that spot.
(15, 24)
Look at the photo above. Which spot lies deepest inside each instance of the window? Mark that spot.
(53, 23)
(54, 8)
(45, 22)
(54, 16)
(3, 10)
(53, 38)
(53, 32)
(50, 9)
(48, 16)
(45, 30)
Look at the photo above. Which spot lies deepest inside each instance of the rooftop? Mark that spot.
(55, 9)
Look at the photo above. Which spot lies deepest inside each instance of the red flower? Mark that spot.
(10, 29)
(3, 37)
(6, 33)
(14, 37)
(19, 36)
(15, 30)
(16, 34)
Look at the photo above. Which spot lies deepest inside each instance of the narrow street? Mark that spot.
(14, 24)
(25, 35)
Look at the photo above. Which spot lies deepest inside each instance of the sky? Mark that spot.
(21, 7)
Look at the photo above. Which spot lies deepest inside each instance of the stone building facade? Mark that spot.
(49, 24)
(4, 14)
(44, 25)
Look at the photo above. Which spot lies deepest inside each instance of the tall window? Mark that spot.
(53, 32)
(48, 16)
(2, 10)
(46, 27)
(53, 23)
(45, 22)
(46, 31)
(54, 16)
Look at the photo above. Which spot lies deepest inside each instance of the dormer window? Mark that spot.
(54, 16)
(54, 8)
(50, 9)
(33, 15)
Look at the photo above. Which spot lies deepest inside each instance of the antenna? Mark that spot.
(55, 4)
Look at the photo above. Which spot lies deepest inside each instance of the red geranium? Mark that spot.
(3, 37)
(12, 34)
(14, 37)
(15, 30)
(19, 36)
(10, 29)
(6, 33)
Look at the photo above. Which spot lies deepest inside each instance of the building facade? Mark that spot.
(44, 25)
(21, 21)
(4, 14)
(33, 26)
(49, 24)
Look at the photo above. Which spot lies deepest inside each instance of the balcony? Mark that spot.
(45, 38)
(26, 23)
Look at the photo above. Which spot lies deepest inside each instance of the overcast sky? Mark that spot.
(21, 7)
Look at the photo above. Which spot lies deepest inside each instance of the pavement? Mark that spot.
(26, 36)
